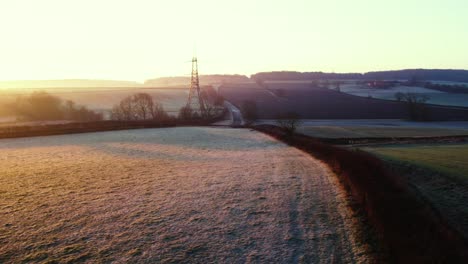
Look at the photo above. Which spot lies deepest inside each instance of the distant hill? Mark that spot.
(75, 83)
(204, 79)
(322, 103)
(419, 74)
(303, 76)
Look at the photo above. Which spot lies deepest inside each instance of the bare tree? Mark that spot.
(157, 112)
(127, 109)
(416, 105)
(185, 113)
(116, 113)
(140, 106)
(143, 104)
(289, 122)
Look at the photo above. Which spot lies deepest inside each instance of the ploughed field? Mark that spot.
(170, 195)
(275, 99)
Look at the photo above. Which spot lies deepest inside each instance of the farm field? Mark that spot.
(435, 97)
(360, 128)
(365, 132)
(438, 172)
(276, 98)
(170, 195)
(448, 159)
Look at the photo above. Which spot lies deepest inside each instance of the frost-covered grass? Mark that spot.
(365, 91)
(450, 83)
(170, 195)
(436, 97)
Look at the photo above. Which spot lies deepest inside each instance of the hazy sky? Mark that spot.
(141, 39)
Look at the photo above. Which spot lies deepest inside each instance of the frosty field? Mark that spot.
(435, 97)
(170, 195)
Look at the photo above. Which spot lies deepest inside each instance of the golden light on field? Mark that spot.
(137, 40)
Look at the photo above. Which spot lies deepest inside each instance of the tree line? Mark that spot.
(40, 106)
(421, 74)
(142, 106)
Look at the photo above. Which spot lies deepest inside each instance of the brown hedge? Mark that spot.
(405, 224)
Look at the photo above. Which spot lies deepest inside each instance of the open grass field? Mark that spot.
(376, 128)
(439, 173)
(197, 195)
(365, 132)
(448, 159)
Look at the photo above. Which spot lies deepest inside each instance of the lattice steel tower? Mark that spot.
(195, 100)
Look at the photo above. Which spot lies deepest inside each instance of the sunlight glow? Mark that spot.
(142, 39)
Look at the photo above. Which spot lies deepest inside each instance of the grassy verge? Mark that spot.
(410, 229)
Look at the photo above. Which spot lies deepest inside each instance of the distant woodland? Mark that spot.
(204, 79)
(40, 106)
(418, 74)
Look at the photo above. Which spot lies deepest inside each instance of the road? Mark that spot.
(233, 117)
(196, 195)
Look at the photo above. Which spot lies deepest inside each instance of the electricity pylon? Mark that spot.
(195, 100)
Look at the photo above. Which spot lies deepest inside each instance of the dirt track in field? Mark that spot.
(170, 195)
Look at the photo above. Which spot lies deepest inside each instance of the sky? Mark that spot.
(142, 39)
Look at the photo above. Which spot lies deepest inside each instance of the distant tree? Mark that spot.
(289, 122)
(249, 111)
(158, 112)
(81, 113)
(338, 86)
(399, 96)
(140, 106)
(43, 106)
(127, 109)
(416, 105)
(219, 101)
(116, 113)
(144, 106)
(70, 107)
(186, 113)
